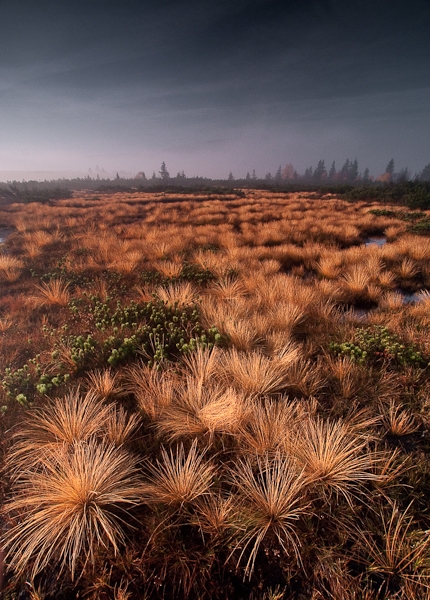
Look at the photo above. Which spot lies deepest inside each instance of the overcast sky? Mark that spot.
(213, 86)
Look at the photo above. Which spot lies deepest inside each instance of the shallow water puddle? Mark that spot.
(375, 241)
(409, 297)
(4, 234)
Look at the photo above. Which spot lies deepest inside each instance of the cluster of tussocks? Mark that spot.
(214, 397)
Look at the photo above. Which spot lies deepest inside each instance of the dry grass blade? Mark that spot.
(272, 498)
(70, 507)
(178, 477)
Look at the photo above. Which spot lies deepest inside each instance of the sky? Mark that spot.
(212, 86)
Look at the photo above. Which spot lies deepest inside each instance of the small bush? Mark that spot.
(376, 344)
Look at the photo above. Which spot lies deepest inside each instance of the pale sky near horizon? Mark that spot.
(213, 86)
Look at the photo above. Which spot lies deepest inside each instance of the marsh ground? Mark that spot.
(213, 397)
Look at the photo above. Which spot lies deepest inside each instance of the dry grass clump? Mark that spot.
(400, 553)
(169, 268)
(350, 377)
(398, 420)
(180, 294)
(120, 426)
(272, 499)
(55, 292)
(334, 457)
(270, 425)
(126, 262)
(208, 411)
(406, 269)
(256, 373)
(10, 268)
(61, 422)
(153, 389)
(179, 478)
(105, 384)
(227, 289)
(70, 506)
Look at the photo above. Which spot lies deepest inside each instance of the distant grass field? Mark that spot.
(215, 397)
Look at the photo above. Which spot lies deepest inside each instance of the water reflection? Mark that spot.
(375, 241)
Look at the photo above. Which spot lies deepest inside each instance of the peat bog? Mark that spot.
(213, 398)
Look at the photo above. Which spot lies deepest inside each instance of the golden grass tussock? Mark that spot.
(120, 426)
(406, 269)
(398, 420)
(269, 426)
(10, 267)
(203, 412)
(386, 279)
(227, 288)
(393, 232)
(201, 405)
(127, 262)
(329, 266)
(240, 332)
(51, 293)
(153, 388)
(75, 503)
(272, 497)
(179, 477)
(75, 417)
(334, 457)
(202, 366)
(180, 294)
(105, 384)
(42, 238)
(419, 249)
(256, 373)
(285, 316)
(357, 280)
(169, 268)
(350, 377)
(209, 261)
(32, 249)
(215, 515)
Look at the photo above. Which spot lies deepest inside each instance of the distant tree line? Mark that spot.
(348, 181)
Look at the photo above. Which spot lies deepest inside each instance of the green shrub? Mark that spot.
(376, 344)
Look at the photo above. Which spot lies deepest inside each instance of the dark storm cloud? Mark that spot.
(186, 73)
